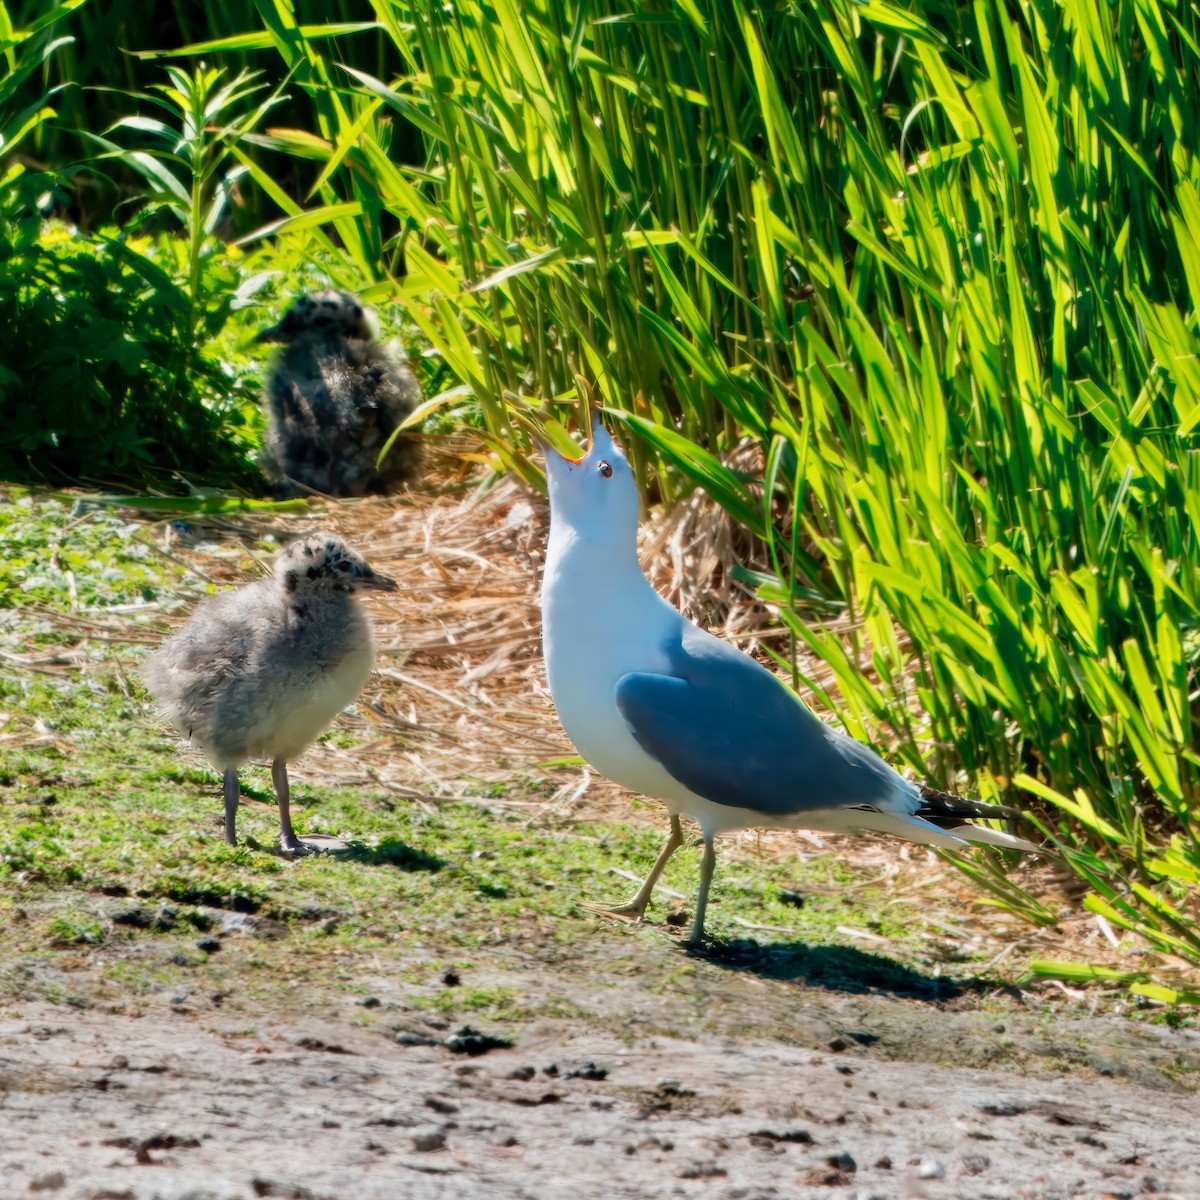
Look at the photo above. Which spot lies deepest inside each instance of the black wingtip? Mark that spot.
(947, 810)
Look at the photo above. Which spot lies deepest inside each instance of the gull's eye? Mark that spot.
(605, 469)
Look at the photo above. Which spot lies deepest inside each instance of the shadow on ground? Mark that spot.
(836, 968)
(392, 852)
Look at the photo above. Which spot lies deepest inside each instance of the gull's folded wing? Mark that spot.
(731, 732)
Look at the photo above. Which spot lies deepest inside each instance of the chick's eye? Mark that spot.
(605, 469)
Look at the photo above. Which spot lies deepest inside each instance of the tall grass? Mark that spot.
(938, 263)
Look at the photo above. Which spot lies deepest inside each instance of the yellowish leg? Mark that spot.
(636, 907)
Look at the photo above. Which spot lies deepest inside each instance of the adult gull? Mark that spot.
(663, 708)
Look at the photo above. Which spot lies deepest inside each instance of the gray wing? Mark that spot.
(731, 732)
(207, 667)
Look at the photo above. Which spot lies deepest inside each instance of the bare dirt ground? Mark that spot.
(175, 1104)
(761, 1069)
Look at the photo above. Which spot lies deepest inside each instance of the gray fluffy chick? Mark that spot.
(260, 672)
(334, 397)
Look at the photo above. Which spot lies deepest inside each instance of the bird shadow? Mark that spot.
(392, 852)
(835, 968)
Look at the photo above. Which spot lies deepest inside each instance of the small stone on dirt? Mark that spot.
(524, 1074)
(825, 1177)
(533, 1101)
(470, 1041)
(439, 1105)
(391, 1121)
(50, 1182)
(800, 1136)
(429, 1139)
(405, 1038)
(703, 1169)
(451, 978)
(1005, 1108)
(587, 1070)
(842, 1162)
(975, 1164)
(136, 917)
(370, 1002)
(208, 945)
(313, 1043)
(931, 1170)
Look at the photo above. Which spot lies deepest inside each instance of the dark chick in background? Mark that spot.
(334, 397)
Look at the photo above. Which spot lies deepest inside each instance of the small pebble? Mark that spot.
(413, 1039)
(370, 1002)
(430, 1139)
(842, 1162)
(470, 1041)
(587, 1070)
(704, 1169)
(208, 945)
(931, 1170)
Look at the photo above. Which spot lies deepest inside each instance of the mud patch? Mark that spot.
(285, 1114)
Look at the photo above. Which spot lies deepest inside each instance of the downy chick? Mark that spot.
(260, 672)
(334, 397)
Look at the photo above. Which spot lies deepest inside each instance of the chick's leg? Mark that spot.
(283, 793)
(232, 795)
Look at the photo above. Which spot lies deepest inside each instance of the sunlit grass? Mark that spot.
(935, 262)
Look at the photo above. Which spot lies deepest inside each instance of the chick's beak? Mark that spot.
(377, 583)
(270, 334)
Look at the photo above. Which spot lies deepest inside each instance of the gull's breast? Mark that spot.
(589, 645)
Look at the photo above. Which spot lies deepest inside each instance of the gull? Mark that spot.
(663, 708)
(334, 397)
(261, 671)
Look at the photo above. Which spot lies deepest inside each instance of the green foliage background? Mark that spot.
(938, 264)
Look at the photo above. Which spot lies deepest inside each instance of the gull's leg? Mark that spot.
(637, 906)
(232, 795)
(707, 863)
(283, 793)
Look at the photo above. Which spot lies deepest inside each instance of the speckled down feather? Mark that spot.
(260, 672)
(334, 397)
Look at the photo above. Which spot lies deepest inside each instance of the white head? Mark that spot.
(595, 497)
